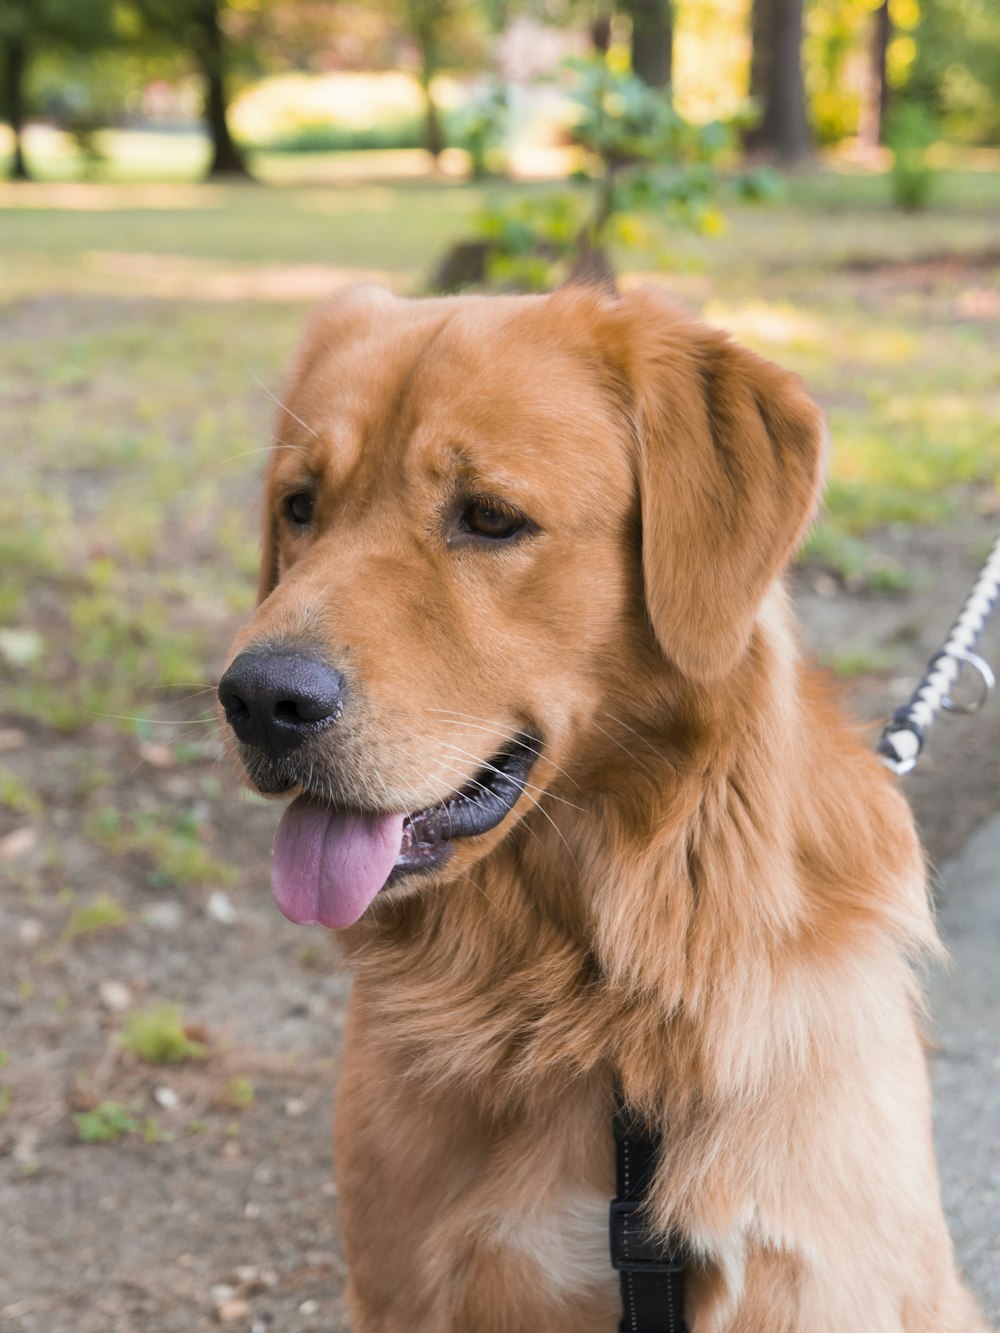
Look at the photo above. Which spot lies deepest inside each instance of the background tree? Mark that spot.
(875, 94)
(28, 27)
(955, 71)
(652, 40)
(198, 28)
(776, 80)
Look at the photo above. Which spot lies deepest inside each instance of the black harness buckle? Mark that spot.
(636, 1249)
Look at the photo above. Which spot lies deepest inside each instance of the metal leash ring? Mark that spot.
(986, 677)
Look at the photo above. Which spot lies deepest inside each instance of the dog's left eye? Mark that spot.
(492, 519)
(299, 508)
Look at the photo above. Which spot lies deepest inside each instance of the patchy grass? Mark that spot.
(104, 913)
(106, 1123)
(157, 1035)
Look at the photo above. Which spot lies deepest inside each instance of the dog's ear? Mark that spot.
(730, 455)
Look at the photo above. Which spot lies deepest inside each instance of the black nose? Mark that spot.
(278, 700)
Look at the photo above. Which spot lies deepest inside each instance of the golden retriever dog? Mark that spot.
(524, 663)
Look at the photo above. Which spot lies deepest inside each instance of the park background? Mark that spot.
(186, 179)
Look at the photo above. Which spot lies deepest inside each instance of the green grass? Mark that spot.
(157, 1036)
(141, 323)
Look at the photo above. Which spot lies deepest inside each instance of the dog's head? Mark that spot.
(483, 516)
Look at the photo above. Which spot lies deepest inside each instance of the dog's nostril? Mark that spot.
(234, 706)
(287, 710)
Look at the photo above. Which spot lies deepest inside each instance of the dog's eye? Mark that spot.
(299, 508)
(492, 519)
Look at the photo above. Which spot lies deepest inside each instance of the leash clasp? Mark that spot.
(987, 682)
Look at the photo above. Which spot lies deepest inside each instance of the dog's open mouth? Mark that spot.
(328, 864)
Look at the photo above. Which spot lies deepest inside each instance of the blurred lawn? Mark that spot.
(142, 322)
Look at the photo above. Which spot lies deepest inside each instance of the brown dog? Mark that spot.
(523, 657)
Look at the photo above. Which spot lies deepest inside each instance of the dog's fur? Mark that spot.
(711, 891)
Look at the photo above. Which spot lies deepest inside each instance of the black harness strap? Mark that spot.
(651, 1268)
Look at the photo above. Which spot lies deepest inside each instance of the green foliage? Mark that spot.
(479, 129)
(856, 659)
(158, 1037)
(107, 1123)
(956, 73)
(104, 913)
(854, 561)
(329, 137)
(171, 841)
(237, 1094)
(17, 796)
(648, 168)
(911, 132)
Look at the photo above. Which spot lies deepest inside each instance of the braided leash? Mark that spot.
(903, 737)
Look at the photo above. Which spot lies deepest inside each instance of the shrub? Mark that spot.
(911, 131)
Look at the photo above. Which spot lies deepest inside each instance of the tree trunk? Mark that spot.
(776, 80)
(227, 160)
(15, 64)
(875, 100)
(652, 40)
(433, 129)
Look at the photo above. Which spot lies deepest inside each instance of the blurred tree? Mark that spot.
(875, 95)
(955, 66)
(444, 32)
(198, 28)
(426, 19)
(652, 40)
(776, 80)
(26, 28)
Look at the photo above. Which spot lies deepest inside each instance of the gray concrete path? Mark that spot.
(965, 1004)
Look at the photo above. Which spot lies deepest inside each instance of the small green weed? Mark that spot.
(237, 1094)
(170, 840)
(6, 1097)
(16, 795)
(104, 913)
(157, 1035)
(106, 1123)
(854, 561)
(856, 660)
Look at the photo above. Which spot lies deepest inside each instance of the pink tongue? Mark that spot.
(327, 865)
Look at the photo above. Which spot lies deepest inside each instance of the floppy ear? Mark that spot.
(729, 464)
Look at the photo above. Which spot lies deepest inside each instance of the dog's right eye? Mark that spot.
(492, 519)
(299, 508)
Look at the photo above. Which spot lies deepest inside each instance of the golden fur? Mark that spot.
(711, 890)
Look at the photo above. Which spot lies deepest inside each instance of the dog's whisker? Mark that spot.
(275, 399)
(193, 722)
(619, 721)
(536, 803)
(457, 770)
(481, 724)
(528, 786)
(260, 449)
(625, 750)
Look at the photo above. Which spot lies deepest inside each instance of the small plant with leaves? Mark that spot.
(645, 169)
(911, 132)
(106, 1123)
(158, 1036)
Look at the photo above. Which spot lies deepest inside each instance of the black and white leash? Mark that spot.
(903, 737)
